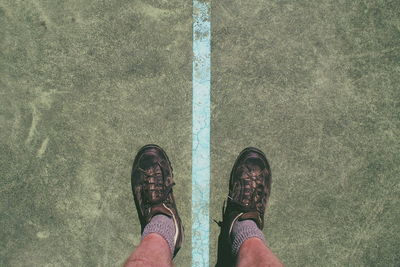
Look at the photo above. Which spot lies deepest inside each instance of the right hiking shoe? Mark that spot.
(249, 190)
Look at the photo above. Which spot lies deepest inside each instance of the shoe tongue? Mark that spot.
(159, 209)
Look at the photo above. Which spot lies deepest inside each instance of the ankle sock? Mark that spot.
(243, 230)
(164, 226)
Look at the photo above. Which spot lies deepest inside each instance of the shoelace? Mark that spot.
(248, 197)
(160, 186)
(223, 212)
(238, 205)
(248, 187)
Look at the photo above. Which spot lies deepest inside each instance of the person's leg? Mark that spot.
(249, 247)
(153, 251)
(253, 252)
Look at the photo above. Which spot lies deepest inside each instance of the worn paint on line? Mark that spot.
(201, 134)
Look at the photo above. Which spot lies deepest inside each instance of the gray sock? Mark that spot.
(243, 230)
(164, 226)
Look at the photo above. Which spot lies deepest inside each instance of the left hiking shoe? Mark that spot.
(152, 182)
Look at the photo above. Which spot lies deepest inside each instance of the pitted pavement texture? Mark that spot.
(315, 85)
(84, 84)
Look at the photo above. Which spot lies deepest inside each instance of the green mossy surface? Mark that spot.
(84, 84)
(315, 85)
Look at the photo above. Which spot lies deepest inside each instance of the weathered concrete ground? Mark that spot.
(315, 84)
(85, 83)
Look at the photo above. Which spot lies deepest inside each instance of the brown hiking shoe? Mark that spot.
(152, 182)
(249, 189)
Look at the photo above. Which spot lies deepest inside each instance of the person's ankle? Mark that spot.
(243, 231)
(161, 226)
